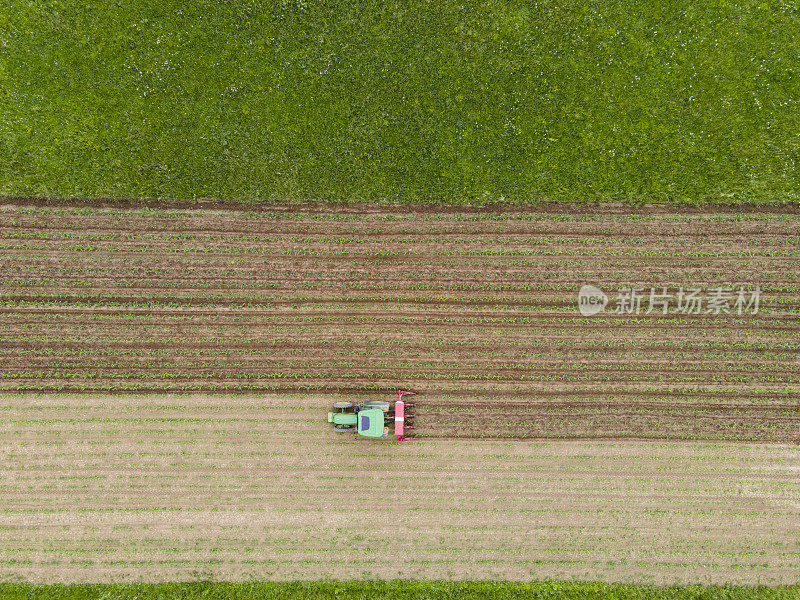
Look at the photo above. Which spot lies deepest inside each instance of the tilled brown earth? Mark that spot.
(464, 307)
(754, 422)
(269, 313)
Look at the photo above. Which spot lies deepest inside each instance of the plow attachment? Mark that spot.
(403, 417)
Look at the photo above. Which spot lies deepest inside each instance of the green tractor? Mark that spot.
(373, 419)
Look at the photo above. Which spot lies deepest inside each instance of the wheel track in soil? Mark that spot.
(728, 421)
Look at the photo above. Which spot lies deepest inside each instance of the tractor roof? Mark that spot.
(370, 422)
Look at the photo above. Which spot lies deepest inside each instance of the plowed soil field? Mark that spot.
(165, 374)
(475, 310)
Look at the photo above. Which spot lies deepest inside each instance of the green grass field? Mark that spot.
(412, 101)
(393, 590)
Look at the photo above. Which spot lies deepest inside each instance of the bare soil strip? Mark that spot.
(620, 420)
(208, 204)
(471, 305)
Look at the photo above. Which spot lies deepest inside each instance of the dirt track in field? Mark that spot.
(771, 422)
(464, 307)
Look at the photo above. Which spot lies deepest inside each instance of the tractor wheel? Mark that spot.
(342, 428)
(343, 405)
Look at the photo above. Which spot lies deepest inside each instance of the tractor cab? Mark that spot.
(371, 422)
